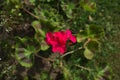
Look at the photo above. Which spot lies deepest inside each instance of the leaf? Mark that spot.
(80, 38)
(102, 73)
(32, 1)
(88, 5)
(93, 45)
(94, 31)
(68, 9)
(44, 45)
(19, 39)
(24, 55)
(67, 73)
(88, 54)
(38, 37)
(37, 26)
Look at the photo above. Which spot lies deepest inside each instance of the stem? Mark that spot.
(30, 13)
(47, 59)
(82, 67)
(71, 51)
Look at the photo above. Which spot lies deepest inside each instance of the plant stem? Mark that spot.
(82, 67)
(71, 51)
(47, 59)
(30, 13)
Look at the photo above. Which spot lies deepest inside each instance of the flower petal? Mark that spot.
(60, 49)
(68, 33)
(73, 39)
(59, 39)
(50, 39)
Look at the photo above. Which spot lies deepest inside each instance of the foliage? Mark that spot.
(24, 25)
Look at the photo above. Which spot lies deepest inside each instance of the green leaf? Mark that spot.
(32, 1)
(44, 45)
(37, 26)
(67, 73)
(24, 55)
(94, 46)
(80, 38)
(13, 1)
(95, 30)
(38, 37)
(88, 5)
(102, 72)
(88, 54)
(68, 8)
(42, 32)
(19, 39)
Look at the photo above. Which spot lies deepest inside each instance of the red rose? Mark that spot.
(58, 40)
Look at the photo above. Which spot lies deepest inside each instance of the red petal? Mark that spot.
(68, 33)
(50, 39)
(73, 39)
(60, 49)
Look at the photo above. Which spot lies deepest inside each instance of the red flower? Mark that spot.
(58, 40)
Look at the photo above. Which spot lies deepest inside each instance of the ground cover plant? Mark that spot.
(59, 40)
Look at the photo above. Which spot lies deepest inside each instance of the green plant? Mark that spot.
(24, 25)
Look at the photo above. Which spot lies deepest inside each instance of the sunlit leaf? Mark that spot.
(23, 40)
(44, 45)
(37, 26)
(80, 37)
(88, 5)
(88, 54)
(32, 1)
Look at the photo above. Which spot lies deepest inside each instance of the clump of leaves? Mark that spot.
(44, 16)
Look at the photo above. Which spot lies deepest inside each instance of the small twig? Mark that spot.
(82, 67)
(30, 13)
(71, 51)
(87, 42)
(47, 59)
